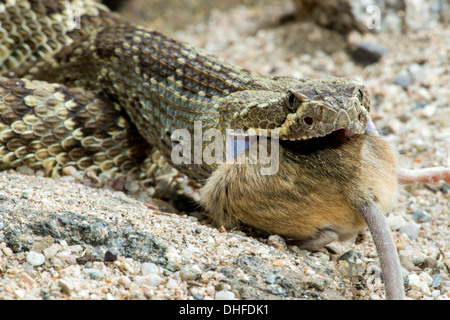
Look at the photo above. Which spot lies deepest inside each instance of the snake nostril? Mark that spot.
(308, 120)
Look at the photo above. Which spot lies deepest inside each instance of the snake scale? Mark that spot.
(80, 86)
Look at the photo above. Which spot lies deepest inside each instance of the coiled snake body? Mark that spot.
(162, 84)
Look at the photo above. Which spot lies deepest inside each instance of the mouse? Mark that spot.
(326, 189)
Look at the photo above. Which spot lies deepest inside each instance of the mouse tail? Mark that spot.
(387, 253)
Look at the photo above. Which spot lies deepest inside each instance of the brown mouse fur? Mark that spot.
(321, 185)
(326, 189)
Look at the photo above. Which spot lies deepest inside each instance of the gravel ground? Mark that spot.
(60, 239)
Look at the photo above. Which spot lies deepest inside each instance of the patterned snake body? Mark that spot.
(162, 84)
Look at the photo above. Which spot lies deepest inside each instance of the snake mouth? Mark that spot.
(347, 130)
(346, 133)
(241, 141)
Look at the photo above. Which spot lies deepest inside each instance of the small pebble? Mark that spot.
(272, 278)
(172, 284)
(94, 273)
(367, 53)
(406, 262)
(420, 215)
(334, 248)
(428, 111)
(25, 195)
(420, 105)
(26, 279)
(403, 80)
(149, 267)
(125, 281)
(445, 188)
(20, 294)
(411, 230)
(85, 259)
(416, 283)
(348, 256)
(111, 255)
(395, 222)
(437, 281)
(65, 286)
(425, 277)
(76, 248)
(277, 242)
(173, 259)
(7, 251)
(35, 259)
(350, 270)
(39, 245)
(154, 279)
(190, 272)
(427, 262)
(45, 293)
(224, 295)
(51, 251)
(436, 293)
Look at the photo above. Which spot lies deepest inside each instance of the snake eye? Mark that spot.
(293, 102)
(360, 95)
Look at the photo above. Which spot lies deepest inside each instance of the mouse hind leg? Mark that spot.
(321, 239)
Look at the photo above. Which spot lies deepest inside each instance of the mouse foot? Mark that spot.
(428, 175)
(321, 239)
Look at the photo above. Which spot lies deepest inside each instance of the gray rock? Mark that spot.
(348, 256)
(407, 263)
(190, 272)
(94, 273)
(404, 80)
(420, 215)
(427, 262)
(395, 222)
(411, 230)
(437, 281)
(111, 255)
(367, 53)
(35, 259)
(421, 104)
(272, 278)
(445, 188)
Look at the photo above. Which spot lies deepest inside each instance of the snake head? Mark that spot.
(301, 109)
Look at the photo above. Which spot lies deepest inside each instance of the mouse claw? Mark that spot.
(428, 175)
